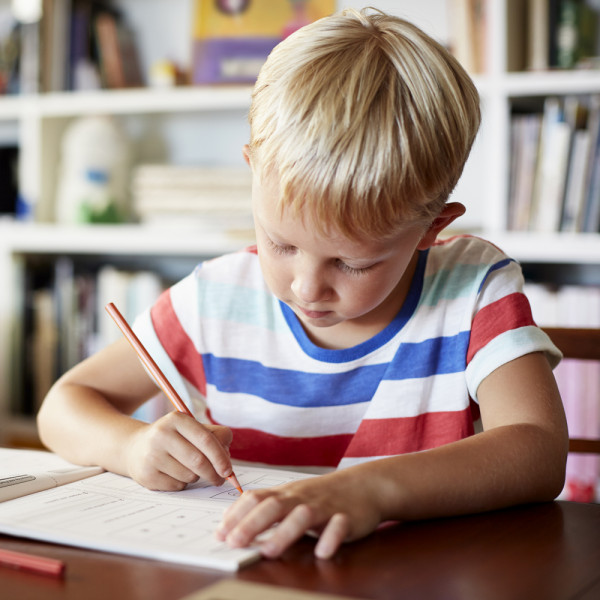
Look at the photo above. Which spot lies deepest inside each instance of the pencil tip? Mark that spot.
(233, 479)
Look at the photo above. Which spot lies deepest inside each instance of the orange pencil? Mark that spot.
(155, 371)
(32, 562)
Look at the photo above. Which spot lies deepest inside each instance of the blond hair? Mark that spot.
(366, 121)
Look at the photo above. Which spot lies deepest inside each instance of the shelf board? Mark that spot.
(550, 248)
(130, 101)
(237, 97)
(135, 240)
(551, 83)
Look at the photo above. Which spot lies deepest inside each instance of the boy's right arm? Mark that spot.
(86, 419)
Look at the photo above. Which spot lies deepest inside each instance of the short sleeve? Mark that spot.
(502, 327)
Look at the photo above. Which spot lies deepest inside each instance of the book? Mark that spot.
(589, 221)
(44, 343)
(575, 190)
(111, 61)
(209, 198)
(231, 40)
(82, 68)
(575, 34)
(538, 39)
(525, 142)
(468, 34)
(576, 113)
(552, 166)
(55, 44)
(517, 25)
(29, 58)
(45, 498)
(117, 51)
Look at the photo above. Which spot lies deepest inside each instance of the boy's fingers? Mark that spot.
(236, 512)
(192, 460)
(223, 434)
(165, 474)
(335, 533)
(291, 529)
(170, 466)
(252, 514)
(209, 455)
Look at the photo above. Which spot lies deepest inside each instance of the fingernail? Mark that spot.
(323, 550)
(220, 532)
(268, 549)
(234, 538)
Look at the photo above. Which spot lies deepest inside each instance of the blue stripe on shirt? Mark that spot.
(435, 356)
(298, 388)
(495, 267)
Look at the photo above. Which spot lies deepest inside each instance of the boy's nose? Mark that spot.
(309, 285)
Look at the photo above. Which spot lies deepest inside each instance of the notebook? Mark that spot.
(46, 498)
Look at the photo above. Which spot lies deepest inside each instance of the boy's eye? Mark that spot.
(279, 248)
(353, 270)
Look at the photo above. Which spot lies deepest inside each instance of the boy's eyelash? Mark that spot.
(281, 249)
(353, 270)
(278, 248)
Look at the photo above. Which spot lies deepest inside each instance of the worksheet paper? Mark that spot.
(113, 513)
(24, 472)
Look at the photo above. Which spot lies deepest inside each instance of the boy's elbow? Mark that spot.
(555, 484)
(46, 417)
(555, 467)
(42, 422)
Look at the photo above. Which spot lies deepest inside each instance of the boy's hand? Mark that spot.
(176, 450)
(338, 507)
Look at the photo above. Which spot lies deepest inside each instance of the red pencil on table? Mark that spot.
(155, 371)
(33, 563)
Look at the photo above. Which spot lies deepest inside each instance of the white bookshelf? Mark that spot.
(130, 102)
(111, 240)
(208, 125)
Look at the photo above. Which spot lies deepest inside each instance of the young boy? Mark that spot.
(350, 341)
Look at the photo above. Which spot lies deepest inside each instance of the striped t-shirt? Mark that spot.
(239, 357)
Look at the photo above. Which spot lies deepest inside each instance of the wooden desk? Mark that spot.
(549, 551)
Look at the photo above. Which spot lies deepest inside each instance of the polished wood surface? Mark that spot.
(549, 551)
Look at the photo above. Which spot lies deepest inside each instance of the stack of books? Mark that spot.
(555, 167)
(216, 199)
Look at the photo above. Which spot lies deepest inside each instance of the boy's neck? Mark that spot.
(356, 331)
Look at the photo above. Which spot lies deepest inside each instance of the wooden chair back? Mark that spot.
(581, 344)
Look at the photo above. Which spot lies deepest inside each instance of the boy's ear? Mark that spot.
(450, 212)
(246, 153)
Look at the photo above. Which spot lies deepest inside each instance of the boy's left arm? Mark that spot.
(520, 457)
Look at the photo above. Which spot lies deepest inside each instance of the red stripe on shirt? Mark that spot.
(511, 312)
(254, 445)
(177, 342)
(375, 437)
(390, 437)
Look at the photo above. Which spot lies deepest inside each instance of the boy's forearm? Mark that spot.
(502, 467)
(84, 428)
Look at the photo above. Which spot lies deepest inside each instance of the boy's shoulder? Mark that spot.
(240, 259)
(462, 263)
(467, 249)
(240, 268)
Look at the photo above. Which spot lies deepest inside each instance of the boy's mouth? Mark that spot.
(313, 314)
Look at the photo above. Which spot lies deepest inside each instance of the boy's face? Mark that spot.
(343, 291)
